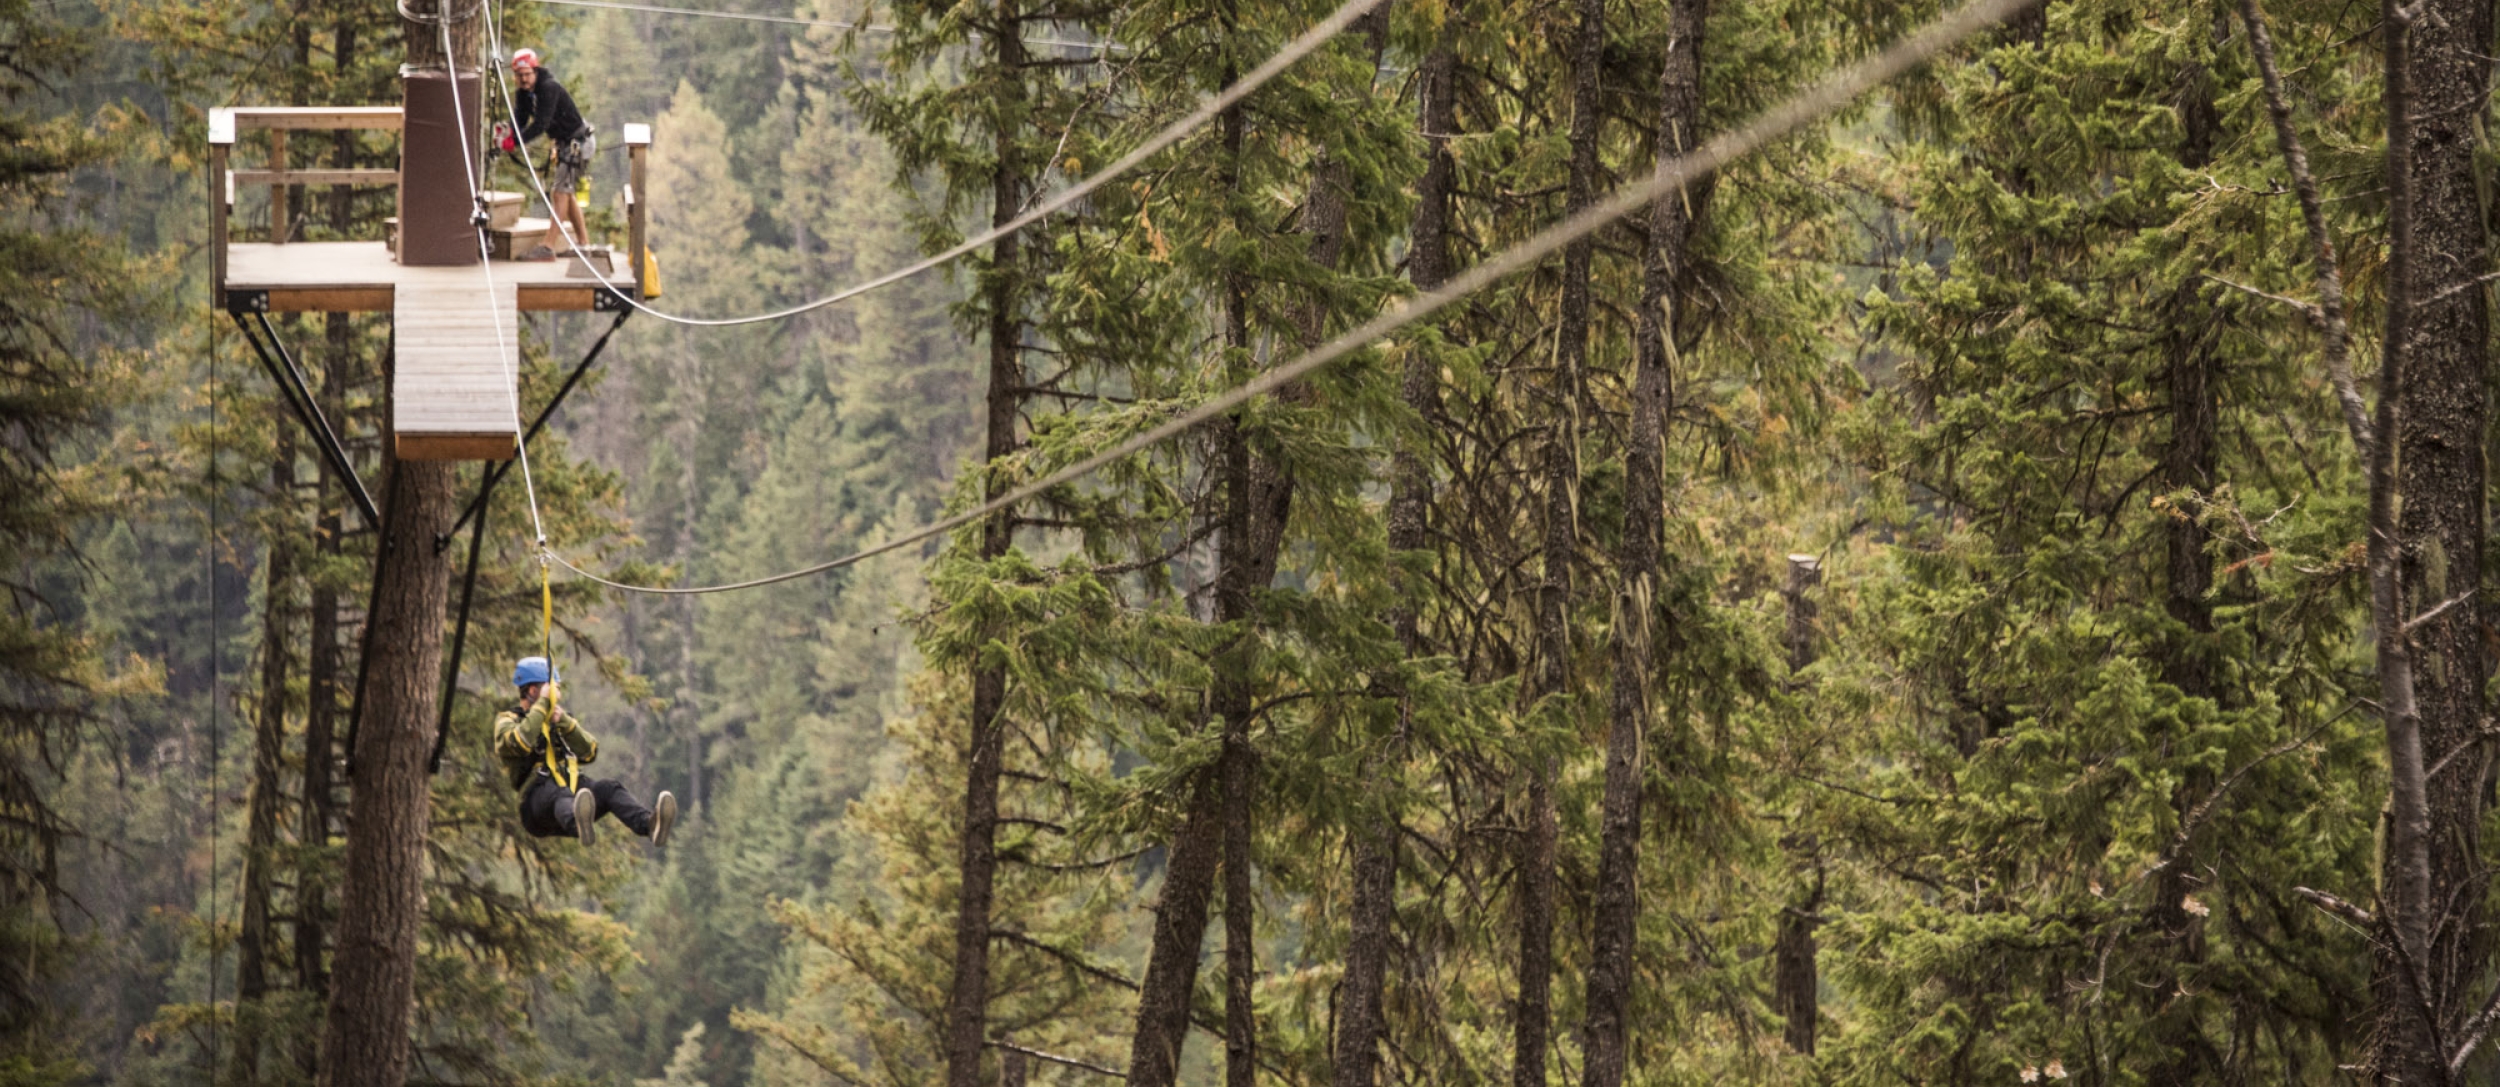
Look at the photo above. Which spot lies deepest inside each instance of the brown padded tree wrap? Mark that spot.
(437, 153)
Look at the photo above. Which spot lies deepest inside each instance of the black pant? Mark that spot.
(547, 809)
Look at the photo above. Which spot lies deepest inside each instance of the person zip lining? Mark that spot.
(547, 109)
(543, 749)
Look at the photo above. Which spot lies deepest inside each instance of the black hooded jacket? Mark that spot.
(548, 111)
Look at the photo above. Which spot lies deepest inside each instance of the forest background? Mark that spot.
(1899, 610)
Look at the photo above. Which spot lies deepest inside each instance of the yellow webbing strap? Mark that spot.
(569, 772)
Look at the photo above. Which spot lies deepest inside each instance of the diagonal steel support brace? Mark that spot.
(290, 379)
(460, 630)
(373, 598)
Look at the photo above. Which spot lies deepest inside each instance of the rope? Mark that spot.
(1171, 134)
(512, 383)
(1813, 103)
(788, 20)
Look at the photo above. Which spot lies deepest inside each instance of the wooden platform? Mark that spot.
(458, 352)
(361, 277)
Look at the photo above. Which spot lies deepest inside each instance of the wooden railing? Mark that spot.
(225, 124)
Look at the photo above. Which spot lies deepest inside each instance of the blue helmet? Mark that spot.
(532, 670)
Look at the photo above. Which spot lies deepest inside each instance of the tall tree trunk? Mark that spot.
(1372, 913)
(1215, 837)
(382, 897)
(967, 1007)
(1237, 552)
(1532, 1026)
(2432, 670)
(1206, 844)
(260, 836)
(314, 817)
(321, 660)
(1795, 977)
(1613, 944)
(1172, 956)
(256, 941)
(2188, 463)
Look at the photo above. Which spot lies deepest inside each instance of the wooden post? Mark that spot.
(277, 189)
(220, 200)
(637, 151)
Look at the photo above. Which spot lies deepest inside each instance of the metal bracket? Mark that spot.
(607, 300)
(242, 302)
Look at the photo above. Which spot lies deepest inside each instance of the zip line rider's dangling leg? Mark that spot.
(543, 749)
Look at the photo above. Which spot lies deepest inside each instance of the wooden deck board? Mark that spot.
(458, 351)
(354, 277)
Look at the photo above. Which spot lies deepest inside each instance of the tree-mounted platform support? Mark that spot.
(457, 338)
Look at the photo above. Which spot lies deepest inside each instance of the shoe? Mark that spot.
(585, 813)
(540, 253)
(663, 815)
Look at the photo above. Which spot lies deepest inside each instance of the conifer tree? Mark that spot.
(59, 273)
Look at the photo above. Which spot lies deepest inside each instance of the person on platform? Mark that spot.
(533, 739)
(545, 108)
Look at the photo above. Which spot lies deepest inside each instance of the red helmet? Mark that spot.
(526, 58)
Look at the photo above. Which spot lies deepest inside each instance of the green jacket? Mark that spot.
(518, 736)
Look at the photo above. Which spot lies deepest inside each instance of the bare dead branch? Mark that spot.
(2474, 1031)
(2416, 622)
(1074, 866)
(1064, 955)
(2483, 733)
(2330, 306)
(1057, 1059)
(2309, 311)
(2455, 289)
(2336, 906)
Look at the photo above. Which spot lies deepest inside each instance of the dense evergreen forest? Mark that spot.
(1982, 590)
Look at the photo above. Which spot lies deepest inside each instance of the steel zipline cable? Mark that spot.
(1309, 42)
(1822, 99)
(792, 20)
